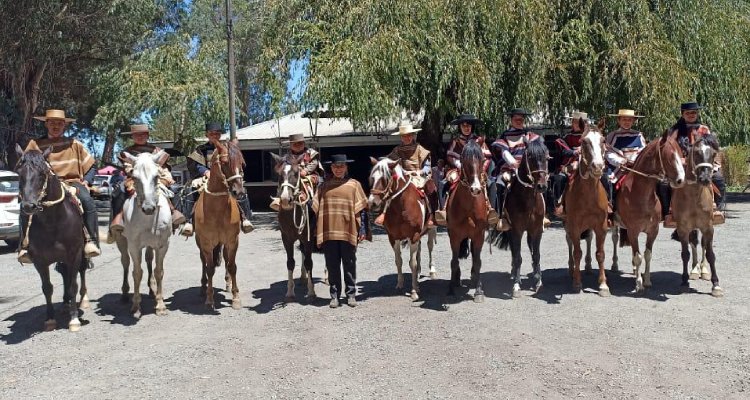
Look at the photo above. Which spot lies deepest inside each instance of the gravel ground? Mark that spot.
(665, 344)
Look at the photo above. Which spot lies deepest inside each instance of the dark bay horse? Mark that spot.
(638, 206)
(525, 208)
(692, 207)
(467, 217)
(217, 220)
(295, 222)
(406, 216)
(54, 234)
(586, 207)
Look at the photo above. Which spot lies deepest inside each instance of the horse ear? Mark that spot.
(525, 139)
(393, 163)
(47, 152)
(601, 124)
(19, 150)
(161, 157)
(129, 157)
(373, 160)
(277, 158)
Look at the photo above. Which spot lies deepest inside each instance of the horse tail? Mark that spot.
(463, 249)
(624, 241)
(500, 239)
(405, 243)
(675, 236)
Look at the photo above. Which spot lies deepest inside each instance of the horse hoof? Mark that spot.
(137, 314)
(414, 296)
(516, 293)
(694, 276)
(577, 288)
(228, 288)
(706, 277)
(50, 325)
(236, 304)
(479, 298)
(161, 312)
(289, 299)
(717, 292)
(614, 268)
(210, 306)
(325, 282)
(604, 292)
(433, 275)
(74, 326)
(85, 305)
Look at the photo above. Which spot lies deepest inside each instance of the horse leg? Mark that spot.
(230, 255)
(50, 324)
(571, 259)
(577, 255)
(303, 270)
(705, 273)
(589, 237)
(476, 268)
(307, 265)
(707, 242)
(601, 235)
(515, 248)
(414, 266)
(72, 289)
(685, 255)
(534, 242)
(637, 259)
(135, 255)
(150, 269)
(204, 275)
(647, 257)
(615, 231)
(396, 244)
(84, 304)
(431, 239)
(208, 271)
(289, 248)
(161, 309)
(125, 261)
(455, 268)
(695, 270)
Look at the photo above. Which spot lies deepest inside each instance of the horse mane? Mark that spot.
(34, 159)
(712, 141)
(383, 167)
(472, 152)
(236, 160)
(536, 149)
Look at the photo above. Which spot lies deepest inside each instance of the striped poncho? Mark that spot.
(68, 159)
(338, 204)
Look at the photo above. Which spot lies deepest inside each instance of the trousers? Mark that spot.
(338, 254)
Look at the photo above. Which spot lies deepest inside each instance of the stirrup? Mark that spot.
(275, 204)
(546, 222)
(24, 257)
(380, 220)
(187, 229)
(492, 217)
(247, 226)
(503, 225)
(440, 218)
(90, 250)
(718, 217)
(669, 221)
(177, 219)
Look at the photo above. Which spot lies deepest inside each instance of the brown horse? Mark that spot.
(405, 219)
(217, 220)
(525, 208)
(586, 207)
(54, 233)
(638, 206)
(692, 207)
(467, 217)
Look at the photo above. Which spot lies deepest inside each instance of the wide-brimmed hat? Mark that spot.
(214, 126)
(577, 115)
(624, 112)
(295, 137)
(518, 111)
(690, 106)
(339, 159)
(406, 129)
(468, 118)
(135, 129)
(54, 114)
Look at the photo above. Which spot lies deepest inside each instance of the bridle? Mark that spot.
(387, 195)
(225, 180)
(695, 166)
(297, 189)
(43, 192)
(582, 161)
(464, 176)
(660, 177)
(529, 172)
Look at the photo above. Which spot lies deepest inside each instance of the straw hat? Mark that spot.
(406, 129)
(135, 129)
(623, 112)
(54, 114)
(294, 138)
(578, 115)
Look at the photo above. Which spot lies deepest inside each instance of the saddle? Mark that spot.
(73, 196)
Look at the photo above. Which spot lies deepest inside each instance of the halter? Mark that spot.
(297, 190)
(43, 191)
(696, 166)
(225, 180)
(464, 175)
(659, 177)
(530, 173)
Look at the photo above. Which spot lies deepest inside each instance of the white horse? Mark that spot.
(148, 223)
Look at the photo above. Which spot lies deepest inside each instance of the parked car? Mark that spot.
(9, 208)
(101, 187)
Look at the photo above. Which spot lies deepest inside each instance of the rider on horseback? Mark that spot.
(507, 152)
(197, 164)
(622, 147)
(467, 124)
(74, 165)
(688, 129)
(309, 163)
(570, 148)
(415, 161)
(140, 134)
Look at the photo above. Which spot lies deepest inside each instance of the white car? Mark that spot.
(9, 208)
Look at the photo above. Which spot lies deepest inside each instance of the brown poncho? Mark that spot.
(69, 159)
(338, 204)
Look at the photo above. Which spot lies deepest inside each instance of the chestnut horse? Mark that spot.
(295, 222)
(525, 208)
(467, 217)
(217, 220)
(54, 232)
(638, 206)
(692, 207)
(586, 207)
(405, 219)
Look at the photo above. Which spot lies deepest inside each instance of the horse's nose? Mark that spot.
(28, 207)
(148, 209)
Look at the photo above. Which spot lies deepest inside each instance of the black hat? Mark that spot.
(690, 106)
(518, 111)
(339, 158)
(470, 118)
(214, 126)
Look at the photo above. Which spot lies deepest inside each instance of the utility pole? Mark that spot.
(230, 67)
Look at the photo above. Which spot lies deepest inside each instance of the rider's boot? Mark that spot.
(177, 217)
(91, 233)
(380, 219)
(244, 202)
(187, 229)
(275, 204)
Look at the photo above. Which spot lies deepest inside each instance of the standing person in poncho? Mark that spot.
(341, 206)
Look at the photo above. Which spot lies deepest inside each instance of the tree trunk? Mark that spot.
(432, 134)
(25, 90)
(109, 147)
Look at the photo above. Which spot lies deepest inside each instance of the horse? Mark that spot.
(54, 232)
(692, 208)
(525, 209)
(466, 214)
(405, 219)
(586, 208)
(122, 246)
(638, 206)
(148, 224)
(217, 220)
(295, 222)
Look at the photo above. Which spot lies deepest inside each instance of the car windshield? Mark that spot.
(8, 184)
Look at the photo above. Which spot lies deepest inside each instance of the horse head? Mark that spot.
(381, 176)
(146, 176)
(670, 160)
(701, 159)
(33, 175)
(534, 164)
(289, 179)
(232, 163)
(592, 151)
(472, 161)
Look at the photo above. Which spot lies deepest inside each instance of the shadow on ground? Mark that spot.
(29, 323)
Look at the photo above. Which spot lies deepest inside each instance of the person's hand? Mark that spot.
(207, 174)
(303, 172)
(360, 238)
